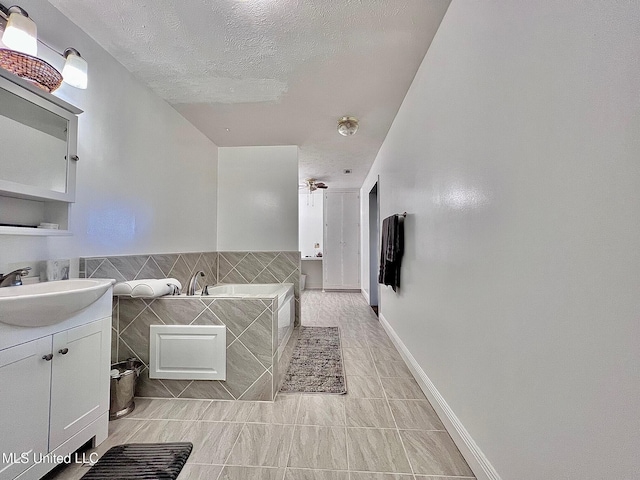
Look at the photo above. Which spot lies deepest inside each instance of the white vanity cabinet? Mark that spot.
(78, 386)
(54, 390)
(25, 380)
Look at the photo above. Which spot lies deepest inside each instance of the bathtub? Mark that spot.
(286, 302)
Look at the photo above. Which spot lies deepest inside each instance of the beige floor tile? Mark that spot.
(73, 471)
(384, 354)
(402, 388)
(119, 432)
(228, 411)
(318, 448)
(262, 445)
(250, 473)
(353, 340)
(283, 410)
(376, 450)
(434, 453)
(212, 442)
(360, 367)
(297, 474)
(378, 476)
(431, 477)
(364, 387)
(200, 472)
(415, 415)
(388, 368)
(379, 339)
(362, 354)
(170, 409)
(157, 431)
(368, 412)
(321, 410)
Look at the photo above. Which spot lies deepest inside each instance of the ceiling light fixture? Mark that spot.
(347, 126)
(21, 39)
(21, 33)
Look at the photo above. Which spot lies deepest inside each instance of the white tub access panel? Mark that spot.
(188, 352)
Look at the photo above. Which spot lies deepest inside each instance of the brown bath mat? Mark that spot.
(141, 461)
(316, 365)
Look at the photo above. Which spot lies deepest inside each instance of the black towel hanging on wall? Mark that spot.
(391, 250)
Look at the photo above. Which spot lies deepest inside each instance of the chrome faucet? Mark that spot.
(13, 279)
(193, 282)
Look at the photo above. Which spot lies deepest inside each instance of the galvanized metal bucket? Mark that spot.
(123, 387)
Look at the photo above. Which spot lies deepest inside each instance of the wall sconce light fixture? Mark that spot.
(75, 69)
(21, 33)
(21, 38)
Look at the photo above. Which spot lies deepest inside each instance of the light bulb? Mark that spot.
(75, 69)
(21, 33)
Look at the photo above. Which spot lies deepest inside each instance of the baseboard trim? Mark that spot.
(365, 294)
(478, 462)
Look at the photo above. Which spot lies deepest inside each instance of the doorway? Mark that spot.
(374, 247)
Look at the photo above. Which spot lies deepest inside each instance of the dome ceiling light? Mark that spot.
(347, 126)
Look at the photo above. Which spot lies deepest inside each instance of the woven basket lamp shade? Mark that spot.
(36, 71)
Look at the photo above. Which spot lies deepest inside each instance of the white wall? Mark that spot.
(310, 229)
(146, 177)
(516, 154)
(257, 198)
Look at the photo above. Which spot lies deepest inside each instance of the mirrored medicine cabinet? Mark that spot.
(38, 156)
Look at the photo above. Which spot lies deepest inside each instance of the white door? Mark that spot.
(25, 380)
(79, 379)
(351, 241)
(341, 260)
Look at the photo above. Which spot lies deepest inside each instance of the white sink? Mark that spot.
(41, 304)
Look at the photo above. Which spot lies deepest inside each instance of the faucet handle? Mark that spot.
(13, 279)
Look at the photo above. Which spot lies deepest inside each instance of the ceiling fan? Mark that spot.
(312, 185)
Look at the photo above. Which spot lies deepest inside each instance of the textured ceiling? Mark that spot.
(274, 72)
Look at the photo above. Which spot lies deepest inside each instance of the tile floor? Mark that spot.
(382, 429)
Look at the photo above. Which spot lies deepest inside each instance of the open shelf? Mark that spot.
(37, 232)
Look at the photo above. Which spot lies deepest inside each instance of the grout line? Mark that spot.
(226, 389)
(244, 425)
(141, 268)
(185, 388)
(293, 434)
(254, 382)
(172, 265)
(254, 320)
(95, 269)
(404, 448)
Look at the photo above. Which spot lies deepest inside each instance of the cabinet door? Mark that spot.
(332, 257)
(341, 259)
(25, 380)
(351, 240)
(79, 379)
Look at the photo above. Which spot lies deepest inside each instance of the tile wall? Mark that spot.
(132, 267)
(251, 347)
(261, 267)
(252, 372)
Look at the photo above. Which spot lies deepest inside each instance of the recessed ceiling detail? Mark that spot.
(274, 72)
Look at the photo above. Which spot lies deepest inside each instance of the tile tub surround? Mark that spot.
(251, 347)
(219, 267)
(261, 267)
(170, 265)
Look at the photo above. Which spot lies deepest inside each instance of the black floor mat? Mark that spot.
(161, 461)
